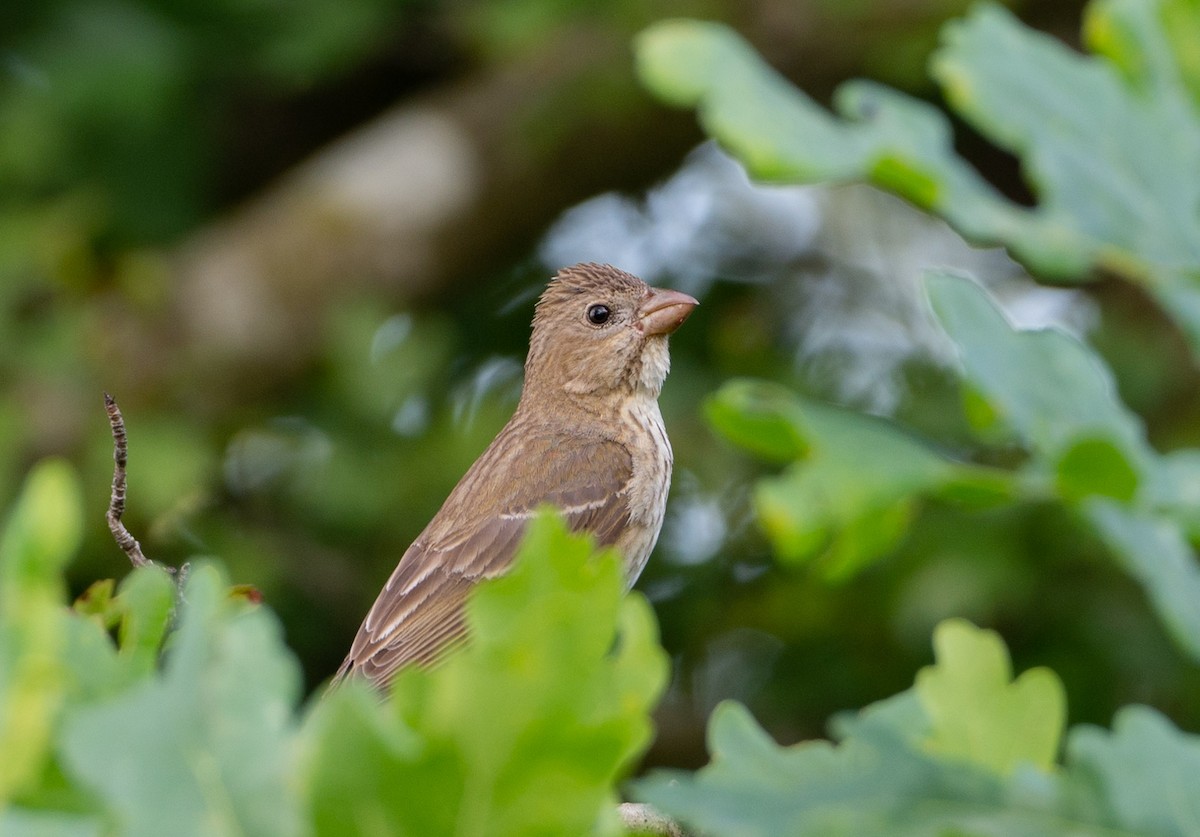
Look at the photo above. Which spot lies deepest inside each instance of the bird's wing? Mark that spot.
(420, 612)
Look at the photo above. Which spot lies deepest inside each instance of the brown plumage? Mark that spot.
(586, 436)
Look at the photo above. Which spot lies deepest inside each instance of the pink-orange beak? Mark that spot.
(664, 311)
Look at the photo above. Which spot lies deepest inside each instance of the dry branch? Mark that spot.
(116, 502)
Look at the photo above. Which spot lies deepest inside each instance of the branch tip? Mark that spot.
(116, 503)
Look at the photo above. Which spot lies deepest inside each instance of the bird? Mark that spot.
(587, 436)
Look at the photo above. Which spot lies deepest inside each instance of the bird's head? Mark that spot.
(599, 330)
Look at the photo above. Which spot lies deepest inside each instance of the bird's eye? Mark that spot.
(598, 314)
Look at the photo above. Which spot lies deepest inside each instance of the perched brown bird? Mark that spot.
(587, 436)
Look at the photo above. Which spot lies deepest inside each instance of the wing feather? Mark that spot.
(421, 611)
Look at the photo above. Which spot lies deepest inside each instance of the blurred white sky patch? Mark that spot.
(702, 224)
(21, 72)
(496, 376)
(696, 530)
(846, 265)
(273, 455)
(864, 314)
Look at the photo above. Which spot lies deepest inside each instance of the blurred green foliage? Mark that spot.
(128, 126)
(963, 750)
(112, 110)
(310, 482)
(1117, 205)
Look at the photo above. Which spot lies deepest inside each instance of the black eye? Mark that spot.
(598, 314)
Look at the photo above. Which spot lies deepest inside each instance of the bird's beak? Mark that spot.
(664, 311)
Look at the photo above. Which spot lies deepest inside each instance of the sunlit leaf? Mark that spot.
(39, 538)
(884, 777)
(979, 713)
(522, 732)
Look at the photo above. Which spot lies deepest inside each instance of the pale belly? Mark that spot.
(652, 462)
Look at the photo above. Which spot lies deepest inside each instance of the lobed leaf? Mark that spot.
(883, 777)
(978, 713)
(524, 731)
(1119, 205)
(206, 745)
(1144, 771)
(1061, 400)
(851, 496)
(1047, 386)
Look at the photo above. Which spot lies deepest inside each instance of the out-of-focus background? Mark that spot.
(300, 243)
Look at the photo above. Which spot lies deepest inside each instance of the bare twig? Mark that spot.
(116, 503)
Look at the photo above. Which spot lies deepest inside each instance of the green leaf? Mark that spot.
(205, 746)
(41, 536)
(1120, 205)
(145, 600)
(1175, 491)
(873, 783)
(523, 732)
(1070, 416)
(1095, 466)
(97, 603)
(1048, 386)
(358, 752)
(887, 776)
(1144, 771)
(1153, 550)
(851, 498)
(18, 822)
(1120, 201)
(978, 713)
(142, 609)
(768, 421)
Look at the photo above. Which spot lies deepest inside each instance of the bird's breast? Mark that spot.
(650, 481)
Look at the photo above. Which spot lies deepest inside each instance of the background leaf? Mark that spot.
(1117, 205)
(1155, 552)
(1144, 771)
(1046, 385)
(882, 777)
(839, 504)
(978, 713)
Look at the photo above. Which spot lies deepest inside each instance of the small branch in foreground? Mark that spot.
(116, 503)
